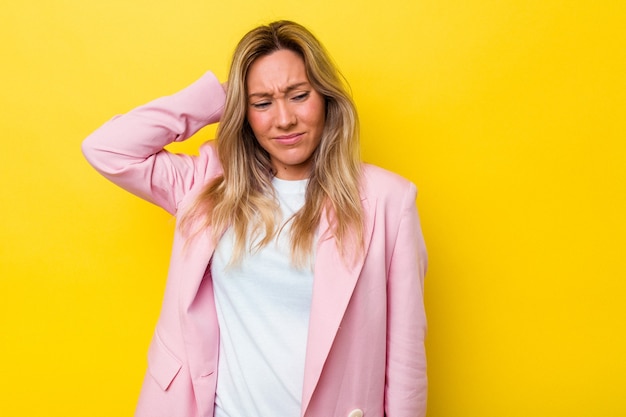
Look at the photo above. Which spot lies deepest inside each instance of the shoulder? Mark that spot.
(209, 159)
(209, 148)
(380, 183)
(206, 167)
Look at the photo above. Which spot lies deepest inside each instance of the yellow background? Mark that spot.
(510, 116)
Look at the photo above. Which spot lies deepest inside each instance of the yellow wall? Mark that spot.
(509, 115)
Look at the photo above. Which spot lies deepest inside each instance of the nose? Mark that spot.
(285, 116)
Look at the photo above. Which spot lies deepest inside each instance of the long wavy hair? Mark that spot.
(243, 197)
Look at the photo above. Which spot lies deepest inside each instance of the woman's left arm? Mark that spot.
(406, 381)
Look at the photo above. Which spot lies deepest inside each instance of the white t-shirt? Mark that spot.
(263, 308)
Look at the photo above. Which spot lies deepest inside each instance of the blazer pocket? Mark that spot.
(163, 365)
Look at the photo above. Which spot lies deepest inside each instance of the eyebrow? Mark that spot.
(286, 90)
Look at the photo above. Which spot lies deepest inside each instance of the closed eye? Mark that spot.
(260, 105)
(301, 96)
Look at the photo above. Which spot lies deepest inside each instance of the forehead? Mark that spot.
(276, 72)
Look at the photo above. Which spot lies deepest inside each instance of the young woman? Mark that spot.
(296, 279)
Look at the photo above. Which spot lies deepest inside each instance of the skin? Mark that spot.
(285, 113)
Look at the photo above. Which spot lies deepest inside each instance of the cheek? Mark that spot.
(318, 115)
(318, 110)
(256, 123)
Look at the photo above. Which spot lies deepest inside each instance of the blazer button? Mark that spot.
(356, 413)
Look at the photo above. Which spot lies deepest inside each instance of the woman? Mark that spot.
(296, 277)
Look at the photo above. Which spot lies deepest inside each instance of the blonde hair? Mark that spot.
(243, 197)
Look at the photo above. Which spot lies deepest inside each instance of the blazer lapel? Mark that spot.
(334, 282)
(199, 319)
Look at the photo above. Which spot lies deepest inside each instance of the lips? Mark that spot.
(289, 139)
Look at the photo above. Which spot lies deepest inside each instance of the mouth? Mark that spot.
(289, 139)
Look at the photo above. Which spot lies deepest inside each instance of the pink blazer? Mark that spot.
(365, 354)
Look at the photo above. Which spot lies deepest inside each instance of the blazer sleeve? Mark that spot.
(129, 149)
(406, 381)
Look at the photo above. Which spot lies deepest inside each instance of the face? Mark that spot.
(285, 113)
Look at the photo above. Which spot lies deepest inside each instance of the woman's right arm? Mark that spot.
(128, 149)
